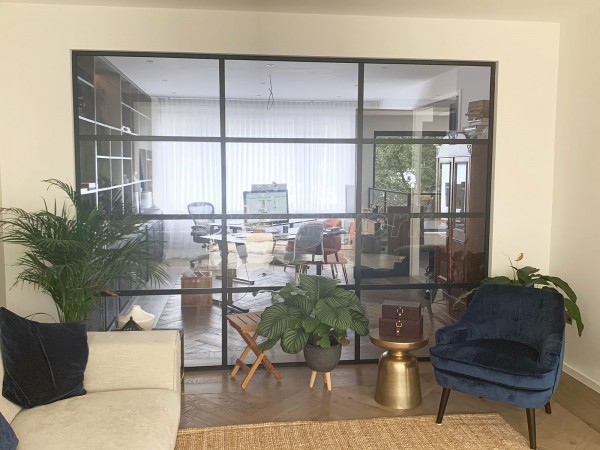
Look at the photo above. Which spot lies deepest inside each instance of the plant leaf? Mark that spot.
(336, 315)
(310, 324)
(498, 280)
(360, 324)
(267, 345)
(563, 285)
(293, 341)
(574, 313)
(317, 286)
(275, 319)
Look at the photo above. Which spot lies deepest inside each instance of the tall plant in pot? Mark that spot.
(75, 252)
(313, 317)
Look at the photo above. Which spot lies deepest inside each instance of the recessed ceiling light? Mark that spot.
(163, 80)
(259, 95)
(173, 92)
(262, 82)
(149, 60)
(385, 67)
(270, 65)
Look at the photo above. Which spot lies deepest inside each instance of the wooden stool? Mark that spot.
(245, 324)
(326, 379)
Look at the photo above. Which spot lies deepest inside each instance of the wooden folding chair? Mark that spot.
(245, 324)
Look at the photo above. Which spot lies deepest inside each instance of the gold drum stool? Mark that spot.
(398, 380)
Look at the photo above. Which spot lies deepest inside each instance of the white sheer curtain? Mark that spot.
(316, 174)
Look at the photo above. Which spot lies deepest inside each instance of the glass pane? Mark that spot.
(434, 310)
(426, 100)
(311, 178)
(395, 248)
(287, 99)
(145, 96)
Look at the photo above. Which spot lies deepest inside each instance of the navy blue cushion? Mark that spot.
(8, 438)
(495, 360)
(43, 362)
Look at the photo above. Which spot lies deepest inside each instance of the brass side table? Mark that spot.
(398, 380)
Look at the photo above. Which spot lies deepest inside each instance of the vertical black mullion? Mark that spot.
(488, 193)
(358, 194)
(223, 244)
(76, 121)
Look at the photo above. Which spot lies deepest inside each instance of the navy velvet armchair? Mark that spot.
(508, 346)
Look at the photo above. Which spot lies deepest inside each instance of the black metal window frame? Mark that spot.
(359, 141)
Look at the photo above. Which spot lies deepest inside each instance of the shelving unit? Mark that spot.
(112, 172)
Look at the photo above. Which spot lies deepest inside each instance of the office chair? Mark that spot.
(202, 227)
(332, 244)
(508, 346)
(305, 247)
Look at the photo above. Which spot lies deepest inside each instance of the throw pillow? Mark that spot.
(8, 438)
(43, 362)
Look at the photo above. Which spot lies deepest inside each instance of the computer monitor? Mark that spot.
(266, 202)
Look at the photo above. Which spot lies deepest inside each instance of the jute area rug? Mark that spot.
(458, 431)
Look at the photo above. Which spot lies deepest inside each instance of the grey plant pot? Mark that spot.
(322, 359)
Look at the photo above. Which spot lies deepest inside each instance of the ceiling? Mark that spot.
(528, 10)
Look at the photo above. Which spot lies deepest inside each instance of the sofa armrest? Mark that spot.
(133, 360)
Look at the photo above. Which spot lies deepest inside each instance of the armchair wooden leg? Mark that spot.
(548, 408)
(531, 427)
(443, 403)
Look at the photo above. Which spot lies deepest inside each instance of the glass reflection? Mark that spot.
(421, 99)
(290, 99)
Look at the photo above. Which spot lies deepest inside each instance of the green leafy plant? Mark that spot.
(74, 253)
(313, 312)
(530, 277)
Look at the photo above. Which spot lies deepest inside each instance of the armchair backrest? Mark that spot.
(309, 238)
(517, 313)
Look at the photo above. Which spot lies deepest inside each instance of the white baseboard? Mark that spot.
(582, 378)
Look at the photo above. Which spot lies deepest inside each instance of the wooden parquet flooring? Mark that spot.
(213, 398)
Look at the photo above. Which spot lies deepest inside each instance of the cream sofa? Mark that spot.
(133, 400)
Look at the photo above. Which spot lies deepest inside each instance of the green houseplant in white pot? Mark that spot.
(75, 252)
(313, 317)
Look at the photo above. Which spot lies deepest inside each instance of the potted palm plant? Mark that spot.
(313, 317)
(75, 252)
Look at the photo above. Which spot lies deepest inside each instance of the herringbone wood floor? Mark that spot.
(213, 398)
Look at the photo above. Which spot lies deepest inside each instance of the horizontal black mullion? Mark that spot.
(416, 286)
(230, 140)
(184, 216)
(263, 140)
(425, 215)
(260, 289)
(416, 140)
(254, 57)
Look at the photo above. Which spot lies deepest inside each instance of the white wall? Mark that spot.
(37, 134)
(575, 248)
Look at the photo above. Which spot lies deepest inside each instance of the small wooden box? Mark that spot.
(401, 310)
(401, 329)
(201, 280)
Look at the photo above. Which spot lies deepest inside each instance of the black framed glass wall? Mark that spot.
(225, 157)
